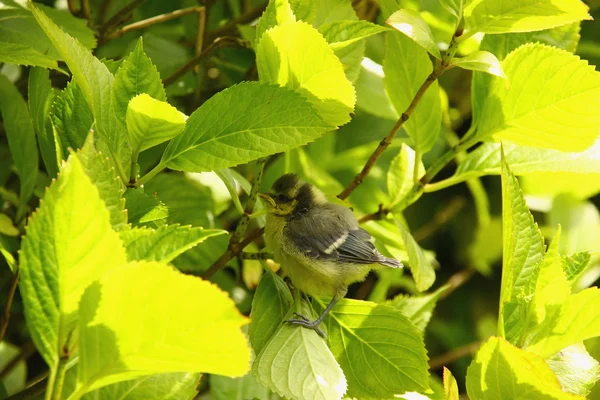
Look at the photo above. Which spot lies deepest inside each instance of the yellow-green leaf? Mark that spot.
(151, 122)
(69, 244)
(126, 332)
(281, 58)
(493, 16)
(414, 26)
(551, 100)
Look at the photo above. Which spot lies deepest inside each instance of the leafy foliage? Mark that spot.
(134, 144)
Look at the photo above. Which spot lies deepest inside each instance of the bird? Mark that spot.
(320, 246)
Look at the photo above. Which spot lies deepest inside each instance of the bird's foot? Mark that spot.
(306, 323)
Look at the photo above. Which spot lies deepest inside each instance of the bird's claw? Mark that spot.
(306, 323)
(302, 317)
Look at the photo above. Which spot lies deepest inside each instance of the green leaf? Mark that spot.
(189, 202)
(40, 97)
(144, 209)
(550, 110)
(243, 123)
(21, 139)
(15, 379)
(576, 370)
(575, 264)
(411, 24)
(56, 268)
(418, 309)
(297, 364)
(340, 34)
(7, 227)
(22, 54)
(420, 266)
(280, 58)
(71, 117)
(165, 243)
(232, 184)
(271, 303)
(491, 16)
(96, 82)
(370, 91)
(172, 386)
(523, 252)
(8, 257)
(151, 122)
(483, 61)
(110, 187)
(383, 342)
(136, 75)
(400, 174)
(333, 10)
(486, 160)
(24, 42)
(154, 332)
(551, 287)
(406, 66)
(502, 371)
(246, 387)
(580, 223)
(565, 37)
(579, 320)
(450, 386)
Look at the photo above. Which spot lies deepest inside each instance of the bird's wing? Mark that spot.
(327, 235)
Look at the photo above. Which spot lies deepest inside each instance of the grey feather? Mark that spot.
(330, 232)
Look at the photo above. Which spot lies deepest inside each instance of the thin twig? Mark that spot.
(383, 145)
(377, 215)
(245, 220)
(440, 218)
(9, 300)
(244, 255)
(232, 252)
(154, 20)
(72, 9)
(217, 43)
(122, 15)
(457, 280)
(245, 18)
(453, 355)
(85, 9)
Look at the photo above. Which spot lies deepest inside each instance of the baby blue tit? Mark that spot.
(319, 245)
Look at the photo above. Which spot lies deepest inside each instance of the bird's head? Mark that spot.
(289, 195)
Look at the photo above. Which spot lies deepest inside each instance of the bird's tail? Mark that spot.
(390, 262)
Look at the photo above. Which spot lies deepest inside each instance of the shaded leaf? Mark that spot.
(21, 139)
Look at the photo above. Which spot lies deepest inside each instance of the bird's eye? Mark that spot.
(281, 198)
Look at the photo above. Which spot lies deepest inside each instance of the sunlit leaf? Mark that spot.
(411, 24)
(491, 16)
(483, 61)
(281, 55)
(502, 371)
(154, 331)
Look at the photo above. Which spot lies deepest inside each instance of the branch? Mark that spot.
(383, 145)
(245, 18)
(217, 43)
(453, 355)
(122, 15)
(232, 252)
(154, 20)
(9, 300)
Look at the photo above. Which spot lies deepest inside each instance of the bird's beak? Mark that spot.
(267, 198)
